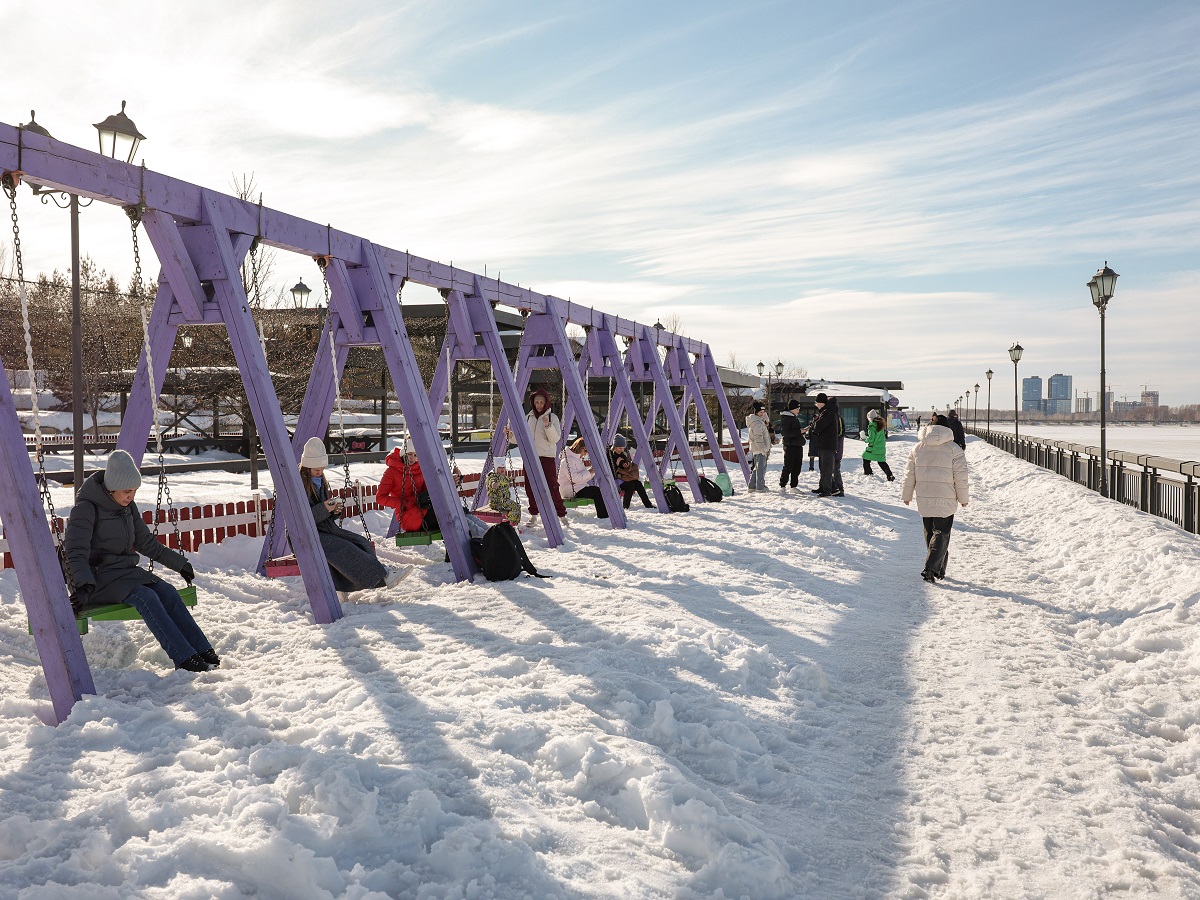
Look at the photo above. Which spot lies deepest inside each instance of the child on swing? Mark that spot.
(577, 479)
(403, 489)
(104, 536)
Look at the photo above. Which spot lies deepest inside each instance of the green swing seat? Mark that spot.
(121, 612)
(417, 538)
(578, 501)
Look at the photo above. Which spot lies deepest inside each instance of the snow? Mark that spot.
(1180, 442)
(758, 699)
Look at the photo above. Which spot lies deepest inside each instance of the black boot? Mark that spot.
(210, 657)
(194, 663)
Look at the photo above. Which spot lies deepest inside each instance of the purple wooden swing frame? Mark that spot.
(201, 238)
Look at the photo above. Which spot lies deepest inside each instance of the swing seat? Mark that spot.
(282, 567)
(576, 502)
(122, 612)
(417, 538)
(490, 516)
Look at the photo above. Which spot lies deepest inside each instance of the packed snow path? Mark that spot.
(760, 698)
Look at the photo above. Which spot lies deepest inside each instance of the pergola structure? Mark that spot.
(201, 238)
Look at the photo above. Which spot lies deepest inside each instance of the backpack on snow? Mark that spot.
(499, 554)
(710, 490)
(724, 483)
(674, 497)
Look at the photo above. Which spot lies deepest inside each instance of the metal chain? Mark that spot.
(10, 188)
(337, 394)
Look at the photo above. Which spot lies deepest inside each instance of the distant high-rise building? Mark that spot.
(1108, 401)
(1149, 398)
(1083, 404)
(1121, 406)
(1031, 394)
(1058, 394)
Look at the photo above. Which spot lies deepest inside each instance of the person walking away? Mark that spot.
(822, 440)
(546, 429)
(403, 490)
(760, 446)
(936, 475)
(952, 422)
(876, 446)
(104, 536)
(626, 472)
(793, 445)
(577, 479)
(351, 557)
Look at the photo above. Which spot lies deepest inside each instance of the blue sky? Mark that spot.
(859, 189)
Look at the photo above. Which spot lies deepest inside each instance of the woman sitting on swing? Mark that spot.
(403, 489)
(625, 470)
(577, 479)
(351, 557)
(105, 533)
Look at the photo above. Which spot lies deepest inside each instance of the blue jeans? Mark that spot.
(168, 620)
(758, 474)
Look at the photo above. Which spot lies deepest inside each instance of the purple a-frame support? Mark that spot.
(67, 674)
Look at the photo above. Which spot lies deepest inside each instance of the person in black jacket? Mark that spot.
(823, 440)
(105, 533)
(951, 421)
(793, 444)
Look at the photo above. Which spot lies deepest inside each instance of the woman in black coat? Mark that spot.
(104, 536)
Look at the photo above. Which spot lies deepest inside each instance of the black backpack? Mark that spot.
(710, 490)
(499, 554)
(675, 501)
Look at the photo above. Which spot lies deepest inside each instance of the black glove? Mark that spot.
(81, 597)
(188, 573)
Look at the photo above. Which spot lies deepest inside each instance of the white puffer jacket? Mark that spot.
(573, 474)
(760, 435)
(936, 473)
(546, 431)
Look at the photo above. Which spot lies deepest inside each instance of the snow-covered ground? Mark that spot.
(757, 699)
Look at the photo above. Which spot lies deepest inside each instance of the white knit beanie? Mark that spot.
(314, 455)
(409, 446)
(121, 473)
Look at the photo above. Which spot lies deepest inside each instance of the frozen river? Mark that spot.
(1174, 441)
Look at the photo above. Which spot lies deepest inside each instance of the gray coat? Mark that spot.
(102, 543)
(351, 556)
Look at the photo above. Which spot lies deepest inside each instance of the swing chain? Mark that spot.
(10, 184)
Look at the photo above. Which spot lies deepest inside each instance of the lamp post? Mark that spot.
(300, 294)
(989, 373)
(1014, 353)
(119, 139)
(1102, 286)
(975, 418)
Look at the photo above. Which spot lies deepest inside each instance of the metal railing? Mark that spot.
(1164, 487)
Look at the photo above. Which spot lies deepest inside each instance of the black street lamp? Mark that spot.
(975, 418)
(1102, 286)
(989, 373)
(300, 294)
(119, 139)
(1014, 353)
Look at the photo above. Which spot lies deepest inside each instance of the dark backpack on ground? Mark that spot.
(675, 501)
(499, 554)
(710, 490)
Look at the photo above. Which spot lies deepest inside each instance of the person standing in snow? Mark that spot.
(351, 557)
(838, 489)
(822, 440)
(760, 446)
(546, 429)
(876, 446)
(104, 536)
(936, 475)
(577, 479)
(792, 434)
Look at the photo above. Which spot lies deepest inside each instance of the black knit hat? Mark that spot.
(757, 406)
(821, 398)
(793, 404)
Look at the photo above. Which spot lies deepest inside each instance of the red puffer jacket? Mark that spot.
(399, 489)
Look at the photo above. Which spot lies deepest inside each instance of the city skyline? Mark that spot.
(865, 193)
